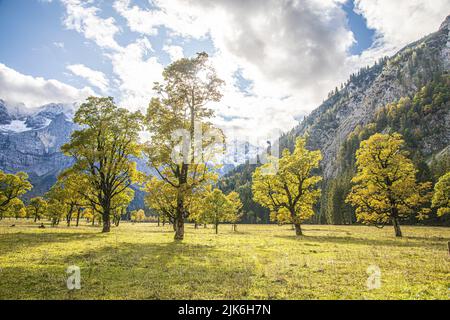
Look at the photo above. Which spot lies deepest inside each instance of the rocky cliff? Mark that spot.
(31, 141)
(371, 89)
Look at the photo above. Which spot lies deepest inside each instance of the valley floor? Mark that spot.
(141, 261)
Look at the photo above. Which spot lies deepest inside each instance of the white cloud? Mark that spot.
(291, 51)
(285, 48)
(16, 87)
(84, 19)
(400, 22)
(136, 71)
(174, 52)
(182, 18)
(134, 68)
(59, 44)
(396, 24)
(95, 78)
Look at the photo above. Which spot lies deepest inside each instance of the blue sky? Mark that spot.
(278, 58)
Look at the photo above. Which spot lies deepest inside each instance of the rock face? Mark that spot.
(5, 117)
(32, 142)
(390, 79)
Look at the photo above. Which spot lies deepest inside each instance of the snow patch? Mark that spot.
(15, 126)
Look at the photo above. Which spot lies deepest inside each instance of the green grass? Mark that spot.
(141, 261)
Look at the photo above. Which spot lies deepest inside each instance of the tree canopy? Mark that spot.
(385, 188)
(12, 187)
(103, 150)
(441, 197)
(290, 193)
(37, 208)
(215, 207)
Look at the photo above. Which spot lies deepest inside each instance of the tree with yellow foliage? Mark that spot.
(290, 193)
(385, 188)
(216, 207)
(12, 187)
(137, 215)
(236, 204)
(37, 208)
(103, 149)
(178, 120)
(441, 197)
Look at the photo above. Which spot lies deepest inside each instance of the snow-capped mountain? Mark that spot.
(30, 141)
(18, 118)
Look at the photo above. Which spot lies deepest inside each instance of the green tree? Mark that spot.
(441, 197)
(37, 208)
(179, 107)
(16, 209)
(291, 192)
(162, 198)
(55, 211)
(217, 207)
(385, 188)
(121, 203)
(236, 208)
(12, 187)
(138, 215)
(68, 190)
(103, 150)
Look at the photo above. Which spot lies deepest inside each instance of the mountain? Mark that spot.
(30, 141)
(407, 93)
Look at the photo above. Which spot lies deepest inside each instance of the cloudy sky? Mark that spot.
(279, 58)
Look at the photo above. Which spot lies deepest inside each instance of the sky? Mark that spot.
(279, 58)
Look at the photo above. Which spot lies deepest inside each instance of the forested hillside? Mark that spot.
(407, 93)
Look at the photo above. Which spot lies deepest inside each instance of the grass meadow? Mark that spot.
(142, 261)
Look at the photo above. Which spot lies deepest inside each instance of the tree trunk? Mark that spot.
(298, 229)
(398, 231)
(158, 221)
(78, 216)
(106, 214)
(217, 228)
(234, 227)
(204, 225)
(69, 215)
(93, 219)
(106, 222)
(179, 228)
(196, 225)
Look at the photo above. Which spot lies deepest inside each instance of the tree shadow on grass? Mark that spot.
(138, 271)
(432, 238)
(10, 242)
(326, 230)
(403, 242)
